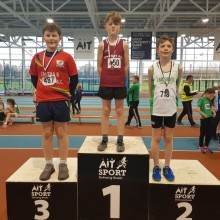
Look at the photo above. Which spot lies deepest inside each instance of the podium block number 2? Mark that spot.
(188, 211)
(43, 205)
(114, 192)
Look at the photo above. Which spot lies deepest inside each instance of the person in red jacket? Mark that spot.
(54, 75)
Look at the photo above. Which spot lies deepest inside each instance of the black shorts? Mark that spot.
(160, 121)
(112, 92)
(53, 111)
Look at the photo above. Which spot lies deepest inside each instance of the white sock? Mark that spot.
(63, 161)
(49, 161)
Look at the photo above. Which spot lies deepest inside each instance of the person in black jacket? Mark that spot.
(187, 97)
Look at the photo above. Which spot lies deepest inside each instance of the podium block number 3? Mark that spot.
(114, 192)
(42, 208)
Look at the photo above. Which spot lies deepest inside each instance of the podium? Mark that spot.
(28, 198)
(194, 194)
(113, 185)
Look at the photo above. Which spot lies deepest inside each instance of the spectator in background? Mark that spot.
(11, 110)
(78, 96)
(2, 109)
(133, 102)
(207, 112)
(187, 97)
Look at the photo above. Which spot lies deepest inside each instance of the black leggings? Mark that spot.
(133, 112)
(187, 110)
(205, 131)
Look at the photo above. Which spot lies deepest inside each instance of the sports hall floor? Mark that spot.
(22, 140)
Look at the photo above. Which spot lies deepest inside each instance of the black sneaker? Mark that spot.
(127, 125)
(47, 172)
(63, 172)
(195, 126)
(102, 146)
(179, 123)
(120, 146)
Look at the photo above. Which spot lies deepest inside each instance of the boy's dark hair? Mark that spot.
(164, 38)
(12, 101)
(189, 77)
(136, 77)
(115, 16)
(51, 27)
(210, 91)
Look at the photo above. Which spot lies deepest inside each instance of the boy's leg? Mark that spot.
(119, 108)
(130, 115)
(63, 144)
(47, 144)
(106, 109)
(168, 139)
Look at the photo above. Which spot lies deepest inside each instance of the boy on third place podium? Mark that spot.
(54, 75)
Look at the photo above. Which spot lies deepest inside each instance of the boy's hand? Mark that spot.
(205, 116)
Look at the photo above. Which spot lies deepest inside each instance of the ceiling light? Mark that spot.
(50, 20)
(2, 35)
(123, 20)
(120, 35)
(205, 20)
(183, 35)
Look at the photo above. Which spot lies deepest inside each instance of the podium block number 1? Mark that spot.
(188, 211)
(43, 209)
(114, 192)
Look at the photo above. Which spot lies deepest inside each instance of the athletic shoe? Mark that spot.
(179, 123)
(202, 150)
(63, 172)
(127, 125)
(139, 126)
(120, 146)
(47, 172)
(195, 126)
(156, 176)
(209, 150)
(102, 146)
(168, 173)
(10, 122)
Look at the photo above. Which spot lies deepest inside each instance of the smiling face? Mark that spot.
(52, 39)
(165, 49)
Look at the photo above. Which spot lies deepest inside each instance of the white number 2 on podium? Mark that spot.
(43, 209)
(114, 191)
(188, 211)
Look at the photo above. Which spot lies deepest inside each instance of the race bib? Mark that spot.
(165, 94)
(49, 80)
(114, 63)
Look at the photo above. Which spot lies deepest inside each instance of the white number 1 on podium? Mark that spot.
(114, 191)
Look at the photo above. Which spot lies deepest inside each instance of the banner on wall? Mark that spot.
(172, 35)
(84, 46)
(217, 47)
(141, 45)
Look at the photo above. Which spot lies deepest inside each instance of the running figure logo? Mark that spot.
(122, 163)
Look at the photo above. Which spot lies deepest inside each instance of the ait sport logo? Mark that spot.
(41, 191)
(185, 193)
(112, 168)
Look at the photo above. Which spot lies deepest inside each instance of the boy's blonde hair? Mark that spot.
(115, 16)
(164, 38)
(51, 27)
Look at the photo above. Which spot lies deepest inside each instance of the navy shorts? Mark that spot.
(160, 121)
(112, 92)
(53, 111)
